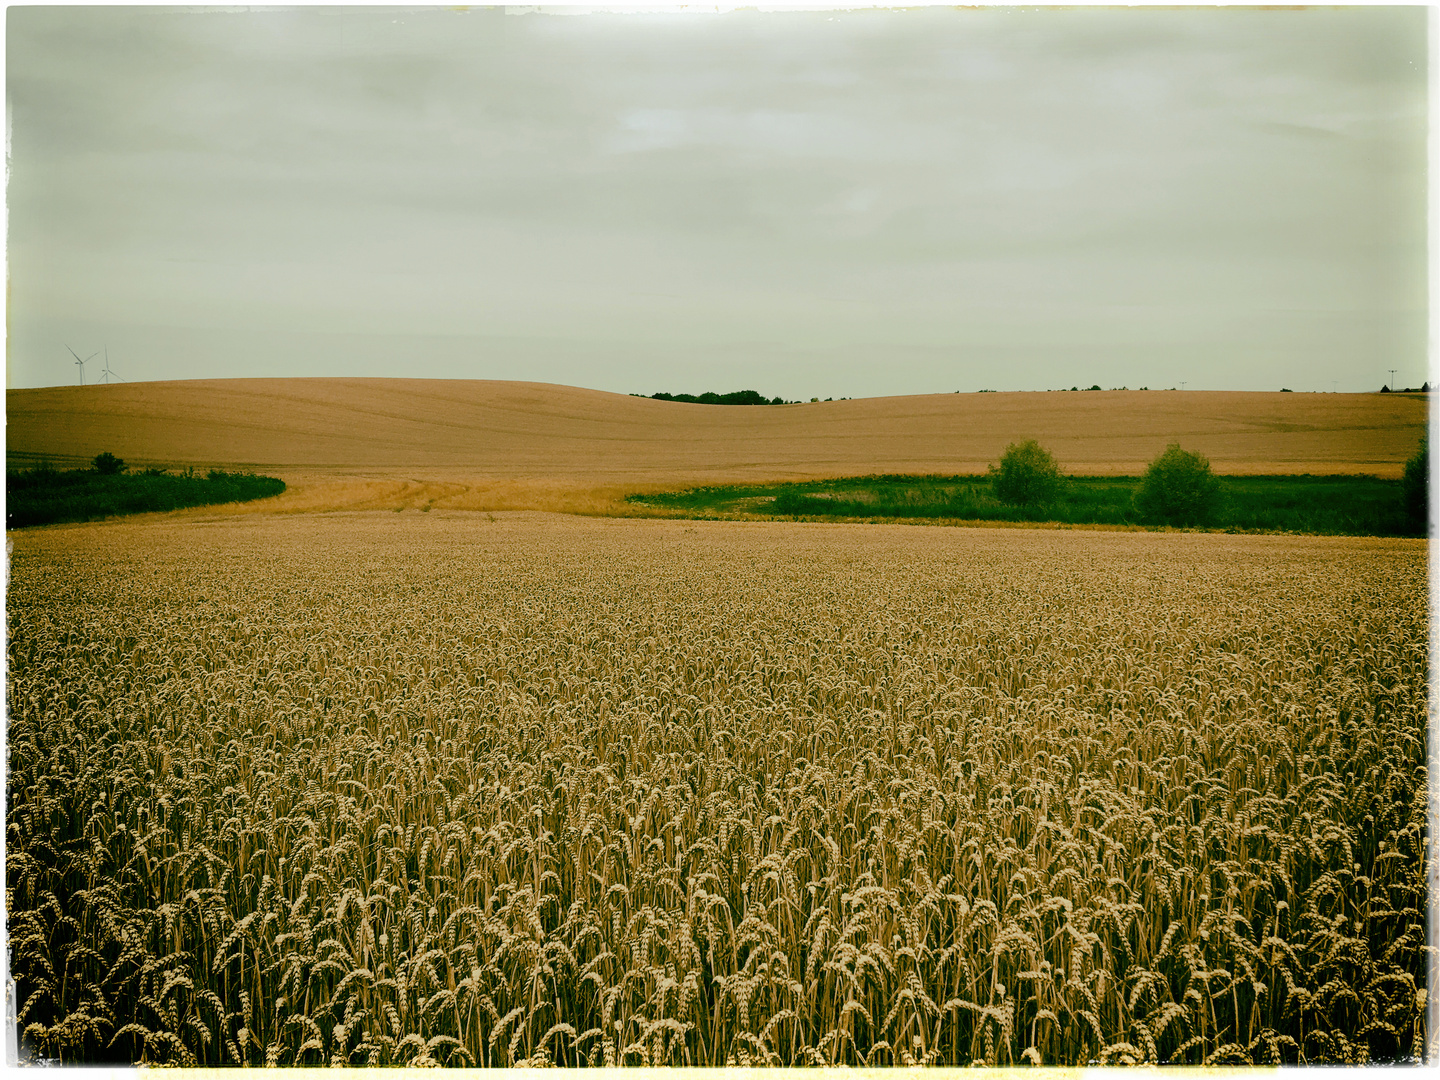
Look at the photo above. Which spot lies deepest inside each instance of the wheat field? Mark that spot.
(458, 429)
(499, 789)
(403, 444)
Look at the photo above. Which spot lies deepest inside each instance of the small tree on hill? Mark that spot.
(1417, 487)
(107, 464)
(1027, 475)
(1179, 489)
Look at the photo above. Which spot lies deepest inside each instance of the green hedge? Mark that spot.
(46, 496)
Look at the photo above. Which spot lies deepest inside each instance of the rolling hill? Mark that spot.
(367, 443)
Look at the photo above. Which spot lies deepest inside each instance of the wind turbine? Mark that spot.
(106, 375)
(82, 363)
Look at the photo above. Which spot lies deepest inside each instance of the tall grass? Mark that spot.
(402, 789)
(1325, 505)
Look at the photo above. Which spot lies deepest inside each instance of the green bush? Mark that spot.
(1417, 488)
(1179, 489)
(107, 464)
(1026, 476)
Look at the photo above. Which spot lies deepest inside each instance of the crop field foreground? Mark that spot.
(518, 788)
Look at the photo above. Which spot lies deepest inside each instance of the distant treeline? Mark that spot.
(739, 397)
(752, 397)
(46, 496)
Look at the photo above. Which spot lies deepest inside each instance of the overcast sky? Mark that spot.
(801, 203)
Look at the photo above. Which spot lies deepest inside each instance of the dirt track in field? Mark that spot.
(469, 444)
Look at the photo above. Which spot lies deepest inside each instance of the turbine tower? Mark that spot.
(106, 375)
(82, 363)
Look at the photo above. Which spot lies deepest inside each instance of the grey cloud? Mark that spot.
(545, 178)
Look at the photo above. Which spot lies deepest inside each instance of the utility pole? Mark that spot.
(1182, 384)
(1392, 379)
(1334, 386)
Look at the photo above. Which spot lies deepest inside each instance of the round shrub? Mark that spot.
(107, 464)
(1027, 475)
(1179, 489)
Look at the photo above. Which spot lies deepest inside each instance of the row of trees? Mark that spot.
(1178, 488)
(739, 397)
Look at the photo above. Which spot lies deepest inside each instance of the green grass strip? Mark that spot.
(1315, 505)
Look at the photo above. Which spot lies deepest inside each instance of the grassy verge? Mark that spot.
(1323, 505)
(47, 496)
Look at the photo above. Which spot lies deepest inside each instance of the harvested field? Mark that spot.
(346, 443)
(511, 788)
